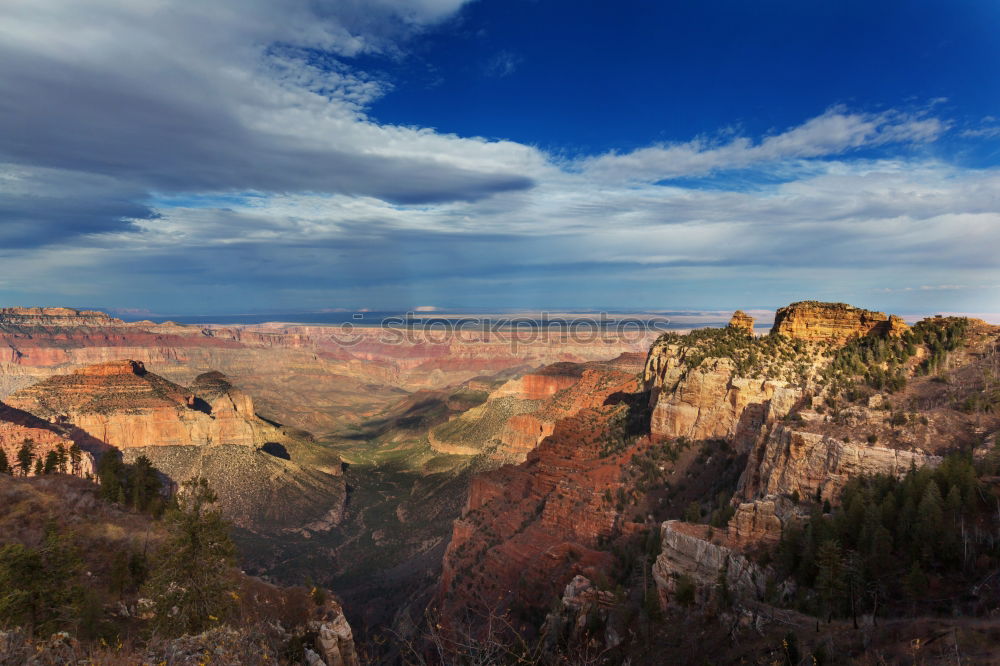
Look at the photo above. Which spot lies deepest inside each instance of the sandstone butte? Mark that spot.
(838, 323)
(125, 406)
(208, 429)
(529, 529)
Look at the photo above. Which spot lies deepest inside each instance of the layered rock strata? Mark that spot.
(125, 406)
(838, 323)
(711, 400)
(521, 413)
(807, 464)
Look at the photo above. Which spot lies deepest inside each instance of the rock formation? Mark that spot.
(311, 377)
(528, 529)
(742, 321)
(17, 427)
(838, 323)
(522, 412)
(712, 401)
(689, 551)
(790, 461)
(207, 430)
(125, 406)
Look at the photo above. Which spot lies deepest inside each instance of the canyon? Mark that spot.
(462, 481)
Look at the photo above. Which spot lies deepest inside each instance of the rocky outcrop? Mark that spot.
(791, 461)
(125, 406)
(759, 522)
(334, 638)
(53, 317)
(528, 529)
(209, 430)
(711, 401)
(838, 323)
(742, 322)
(687, 552)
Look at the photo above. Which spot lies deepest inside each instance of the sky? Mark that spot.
(181, 156)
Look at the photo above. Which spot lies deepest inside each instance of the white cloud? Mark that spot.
(130, 108)
(835, 132)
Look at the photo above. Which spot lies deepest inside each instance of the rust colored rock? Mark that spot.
(742, 321)
(523, 411)
(123, 405)
(17, 426)
(815, 321)
(527, 530)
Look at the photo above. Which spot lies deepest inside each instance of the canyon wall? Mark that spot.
(317, 378)
(522, 412)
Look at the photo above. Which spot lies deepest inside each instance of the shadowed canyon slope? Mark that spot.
(724, 427)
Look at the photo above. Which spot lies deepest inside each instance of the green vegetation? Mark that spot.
(766, 356)
(888, 538)
(881, 363)
(57, 461)
(191, 583)
(25, 454)
(136, 485)
(627, 424)
(42, 587)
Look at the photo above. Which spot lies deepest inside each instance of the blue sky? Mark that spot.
(245, 155)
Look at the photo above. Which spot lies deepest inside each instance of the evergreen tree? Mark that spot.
(25, 455)
(111, 475)
(830, 575)
(930, 518)
(191, 582)
(39, 468)
(61, 458)
(38, 586)
(145, 484)
(51, 462)
(4, 463)
(75, 458)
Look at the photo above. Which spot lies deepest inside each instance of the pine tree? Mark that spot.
(930, 518)
(39, 468)
(25, 455)
(146, 484)
(75, 457)
(51, 463)
(61, 458)
(111, 474)
(192, 582)
(40, 590)
(916, 582)
(4, 463)
(830, 575)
